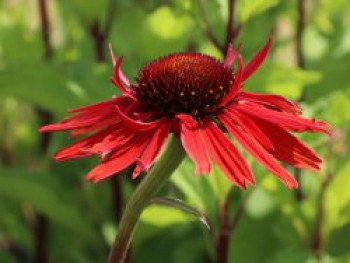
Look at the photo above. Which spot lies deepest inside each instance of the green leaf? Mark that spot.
(177, 203)
(198, 190)
(339, 241)
(22, 186)
(250, 8)
(337, 198)
(282, 80)
(161, 215)
(165, 24)
(260, 203)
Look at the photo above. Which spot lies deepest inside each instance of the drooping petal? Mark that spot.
(256, 61)
(79, 148)
(226, 155)
(256, 150)
(95, 107)
(251, 127)
(286, 120)
(118, 138)
(276, 102)
(106, 122)
(136, 124)
(118, 73)
(85, 118)
(286, 147)
(153, 149)
(236, 85)
(121, 159)
(231, 55)
(194, 144)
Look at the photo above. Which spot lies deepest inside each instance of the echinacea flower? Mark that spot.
(198, 99)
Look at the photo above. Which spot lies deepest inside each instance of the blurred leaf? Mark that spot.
(292, 255)
(260, 203)
(250, 8)
(315, 45)
(219, 183)
(172, 244)
(338, 198)
(339, 241)
(89, 10)
(282, 80)
(326, 10)
(6, 257)
(161, 215)
(198, 190)
(165, 24)
(176, 203)
(253, 233)
(24, 187)
(335, 76)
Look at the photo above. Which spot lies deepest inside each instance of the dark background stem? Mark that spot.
(300, 27)
(230, 28)
(317, 240)
(45, 29)
(207, 26)
(300, 32)
(41, 224)
(228, 226)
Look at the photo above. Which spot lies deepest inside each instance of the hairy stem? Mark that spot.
(154, 180)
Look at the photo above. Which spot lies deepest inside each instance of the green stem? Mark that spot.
(154, 180)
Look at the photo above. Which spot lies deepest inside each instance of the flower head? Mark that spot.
(197, 98)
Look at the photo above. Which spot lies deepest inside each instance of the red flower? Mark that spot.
(197, 98)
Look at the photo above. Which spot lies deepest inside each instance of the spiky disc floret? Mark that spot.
(189, 83)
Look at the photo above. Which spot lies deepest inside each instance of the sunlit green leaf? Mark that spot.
(176, 203)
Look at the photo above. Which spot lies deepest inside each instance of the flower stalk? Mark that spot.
(155, 179)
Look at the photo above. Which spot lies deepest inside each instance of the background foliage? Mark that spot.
(49, 213)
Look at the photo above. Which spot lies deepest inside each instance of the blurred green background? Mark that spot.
(53, 56)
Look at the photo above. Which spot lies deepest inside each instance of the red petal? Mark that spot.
(118, 73)
(252, 128)
(257, 151)
(226, 155)
(81, 120)
(271, 101)
(112, 142)
(121, 159)
(287, 148)
(136, 124)
(194, 144)
(106, 122)
(231, 55)
(117, 81)
(236, 85)
(78, 149)
(87, 116)
(153, 148)
(96, 107)
(288, 121)
(256, 61)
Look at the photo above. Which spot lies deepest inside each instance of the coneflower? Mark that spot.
(198, 99)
